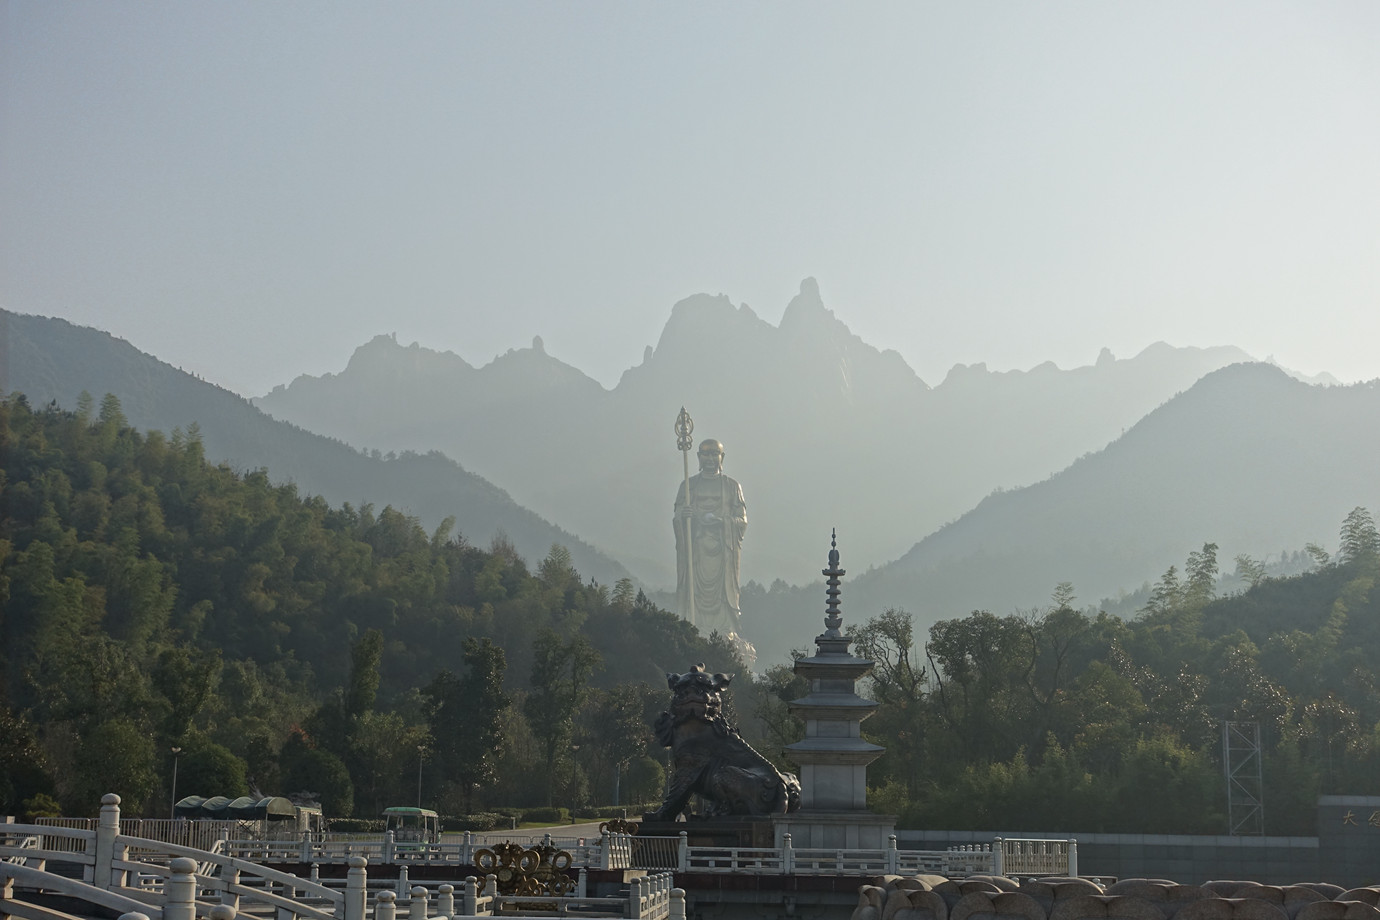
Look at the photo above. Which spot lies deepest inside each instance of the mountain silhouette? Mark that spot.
(54, 360)
(1248, 458)
(822, 429)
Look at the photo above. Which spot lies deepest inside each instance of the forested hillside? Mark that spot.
(52, 359)
(153, 600)
(1068, 720)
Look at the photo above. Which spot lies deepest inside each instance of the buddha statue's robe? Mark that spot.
(717, 525)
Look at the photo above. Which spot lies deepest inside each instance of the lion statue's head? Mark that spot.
(696, 694)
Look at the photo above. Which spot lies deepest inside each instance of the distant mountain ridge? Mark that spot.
(52, 359)
(1248, 458)
(821, 428)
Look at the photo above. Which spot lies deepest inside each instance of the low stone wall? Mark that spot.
(1187, 859)
(1345, 852)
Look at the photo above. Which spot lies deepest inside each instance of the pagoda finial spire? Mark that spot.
(833, 618)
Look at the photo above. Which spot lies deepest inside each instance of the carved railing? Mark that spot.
(156, 874)
(1024, 857)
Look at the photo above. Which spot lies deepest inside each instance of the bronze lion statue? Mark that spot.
(710, 758)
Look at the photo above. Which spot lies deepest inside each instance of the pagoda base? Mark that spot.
(851, 830)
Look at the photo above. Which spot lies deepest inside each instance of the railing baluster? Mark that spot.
(471, 897)
(356, 889)
(385, 906)
(179, 891)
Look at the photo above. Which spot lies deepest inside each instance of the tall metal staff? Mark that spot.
(685, 426)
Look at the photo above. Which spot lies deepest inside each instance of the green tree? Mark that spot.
(210, 769)
(899, 683)
(365, 657)
(115, 756)
(317, 774)
(617, 732)
(560, 683)
(1360, 543)
(24, 770)
(1249, 570)
(465, 717)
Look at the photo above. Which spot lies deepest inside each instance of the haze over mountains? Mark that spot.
(823, 429)
(52, 359)
(1125, 474)
(1248, 458)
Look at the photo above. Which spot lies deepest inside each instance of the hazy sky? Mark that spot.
(250, 190)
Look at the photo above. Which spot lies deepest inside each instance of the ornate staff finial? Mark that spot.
(685, 426)
(833, 619)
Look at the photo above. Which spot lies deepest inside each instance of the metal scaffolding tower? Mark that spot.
(1245, 789)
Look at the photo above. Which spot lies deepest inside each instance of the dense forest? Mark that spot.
(153, 601)
(1061, 719)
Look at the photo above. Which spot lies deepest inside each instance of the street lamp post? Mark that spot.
(421, 754)
(172, 810)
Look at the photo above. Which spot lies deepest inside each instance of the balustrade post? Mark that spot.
(107, 829)
(356, 889)
(491, 885)
(893, 856)
(445, 901)
(635, 899)
(305, 850)
(228, 895)
(222, 912)
(677, 904)
(388, 847)
(683, 852)
(998, 857)
(290, 892)
(605, 845)
(471, 896)
(315, 875)
(385, 905)
(132, 915)
(179, 891)
(417, 909)
(403, 886)
(787, 855)
(467, 850)
(582, 884)
(1073, 857)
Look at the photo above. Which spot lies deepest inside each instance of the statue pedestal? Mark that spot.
(834, 830)
(736, 831)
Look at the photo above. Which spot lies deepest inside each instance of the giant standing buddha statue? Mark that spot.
(709, 521)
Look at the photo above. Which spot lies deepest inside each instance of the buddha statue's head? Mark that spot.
(711, 456)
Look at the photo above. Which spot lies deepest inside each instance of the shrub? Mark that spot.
(481, 821)
(357, 825)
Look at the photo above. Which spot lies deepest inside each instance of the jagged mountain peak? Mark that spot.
(385, 352)
(807, 308)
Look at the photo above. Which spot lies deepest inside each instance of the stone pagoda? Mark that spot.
(833, 756)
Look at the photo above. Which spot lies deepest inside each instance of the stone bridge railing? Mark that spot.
(1013, 857)
(159, 877)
